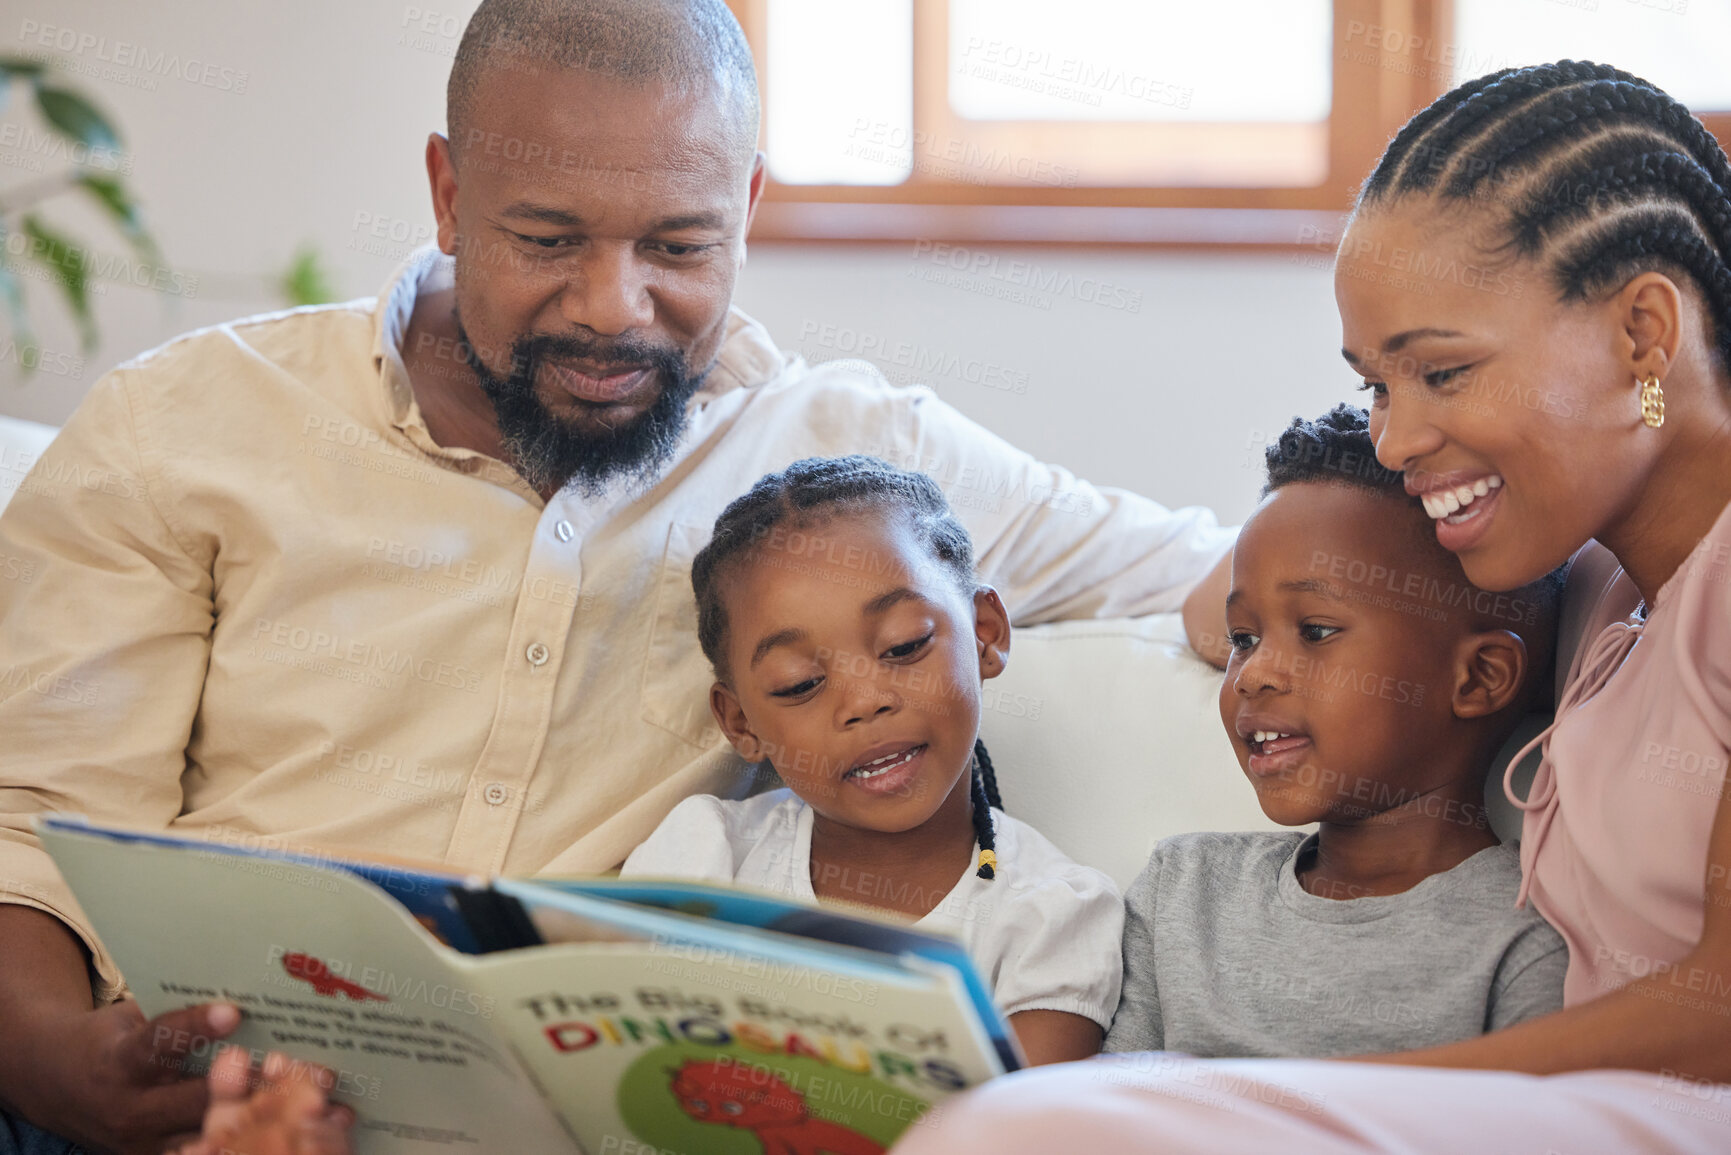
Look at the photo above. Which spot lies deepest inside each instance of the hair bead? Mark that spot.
(984, 788)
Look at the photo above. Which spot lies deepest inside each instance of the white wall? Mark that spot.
(1170, 400)
(325, 135)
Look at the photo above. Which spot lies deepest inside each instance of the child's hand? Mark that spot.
(280, 1111)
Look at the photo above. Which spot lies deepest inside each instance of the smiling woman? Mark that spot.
(1615, 205)
(1602, 211)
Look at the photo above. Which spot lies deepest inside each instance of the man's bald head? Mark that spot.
(685, 45)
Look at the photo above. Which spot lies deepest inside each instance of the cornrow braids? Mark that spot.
(1473, 106)
(1405, 149)
(1591, 171)
(985, 792)
(817, 487)
(804, 492)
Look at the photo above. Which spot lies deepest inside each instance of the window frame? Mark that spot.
(1374, 92)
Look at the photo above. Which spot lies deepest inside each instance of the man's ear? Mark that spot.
(730, 716)
(991, 631)
(1489, 671)
(754, 195)
(442, 180)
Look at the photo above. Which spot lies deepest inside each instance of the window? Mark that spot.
(1678, 45)
(1243, 123)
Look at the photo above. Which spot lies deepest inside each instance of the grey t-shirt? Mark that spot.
(1225, 954)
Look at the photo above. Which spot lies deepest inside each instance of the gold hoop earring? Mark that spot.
(1652, 403)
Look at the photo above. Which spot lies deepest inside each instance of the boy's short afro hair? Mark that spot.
(1334, 447)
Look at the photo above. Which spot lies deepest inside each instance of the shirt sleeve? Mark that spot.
(1596, 593)
(102, 651)
(1138, 1026)
(1056, 547)
(1061, 947)
(1529, 982)
(690, 843)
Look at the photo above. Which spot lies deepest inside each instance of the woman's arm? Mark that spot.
(1056, 1036)
(1677, 1019)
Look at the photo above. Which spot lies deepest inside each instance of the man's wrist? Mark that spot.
(29, 1045)
(44, 1001)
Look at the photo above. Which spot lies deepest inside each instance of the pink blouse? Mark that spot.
(1614, 839)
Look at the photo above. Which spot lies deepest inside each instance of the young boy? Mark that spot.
(1369, 687)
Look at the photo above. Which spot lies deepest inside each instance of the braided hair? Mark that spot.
(809, 491)
(1594, 172)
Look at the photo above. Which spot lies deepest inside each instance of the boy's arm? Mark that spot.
(1138, 1025)
(1532, 982)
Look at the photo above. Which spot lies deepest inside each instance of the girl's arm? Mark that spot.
(1676, 1020)
(282, 1110)
(1056, 1036)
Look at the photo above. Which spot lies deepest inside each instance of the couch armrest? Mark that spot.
(21, 443)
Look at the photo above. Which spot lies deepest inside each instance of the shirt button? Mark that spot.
(495, 794)
(563, 531)
(536, 653)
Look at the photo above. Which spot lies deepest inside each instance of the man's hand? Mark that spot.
(114, 1081)
(106, 1078)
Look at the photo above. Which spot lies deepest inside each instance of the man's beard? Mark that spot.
(552, 453)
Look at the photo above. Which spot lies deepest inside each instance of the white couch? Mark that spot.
(1106, 734)
(21, 443)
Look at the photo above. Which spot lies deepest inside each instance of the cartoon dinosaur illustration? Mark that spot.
(312, 970)
(754, 1099)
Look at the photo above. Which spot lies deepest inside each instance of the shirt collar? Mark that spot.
(748, 357)
(427, 267)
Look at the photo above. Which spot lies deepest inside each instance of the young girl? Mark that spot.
(838, 606)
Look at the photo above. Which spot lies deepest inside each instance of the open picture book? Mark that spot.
(600, 1015)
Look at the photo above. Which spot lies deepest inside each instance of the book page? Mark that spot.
(324, 967)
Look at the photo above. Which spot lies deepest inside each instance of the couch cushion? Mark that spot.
(21, 443)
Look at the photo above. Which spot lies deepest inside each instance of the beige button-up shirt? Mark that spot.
(266, 608)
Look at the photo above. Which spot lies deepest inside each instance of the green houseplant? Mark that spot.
(82, 135)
